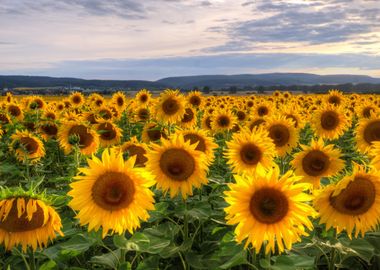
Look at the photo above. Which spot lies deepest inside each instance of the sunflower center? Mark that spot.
(77, 99)
(178, 164)
(30, 145)
(139, 152)
(85, 138)
(99, 102)
(113, 191)
(315, 163)
(357, 198)
(107, 131)
(195, 101)
(154, 134)
(256, 123)
(14, 110)
(240, 115)
(262, 110)
(120, 101)
(188, 116)
(334, 100)
(329, 120)
(269, 205)
(250, 154)
(250, 103)
(143, 98)
(50, 116)
(143, 114)
(13, 223)
(4, 119)
(223, 121)
(194, 138)
(50, 129)
(208, 122)
(372, 132)
(280, 134)
(170, 106)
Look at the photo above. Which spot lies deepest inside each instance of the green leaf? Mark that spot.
(111, 259)
(49, 265)
(77, 245)
(264, 263)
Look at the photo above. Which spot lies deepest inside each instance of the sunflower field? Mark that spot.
(187, 181)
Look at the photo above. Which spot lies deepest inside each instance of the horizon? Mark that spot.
(134, 40)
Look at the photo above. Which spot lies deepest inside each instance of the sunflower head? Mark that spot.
(109, 133)
(283, 133)
(111, 194)
(119, 100)
(135, 148)
(27, 147)
(222, 120)
(330, 122)
(189, 119)
(143, 97)
(15, 111)
(177, 166)
(269, 208)
(171, 106)
(76, 99)
(367, 133)
(27, 221)
(153, 132)
(194, 98)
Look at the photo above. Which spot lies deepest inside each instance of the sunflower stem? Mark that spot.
(32, 262)
(23, 259)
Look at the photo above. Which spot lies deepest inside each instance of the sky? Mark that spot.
(153, 39)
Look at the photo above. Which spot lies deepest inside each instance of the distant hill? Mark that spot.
(188, 82)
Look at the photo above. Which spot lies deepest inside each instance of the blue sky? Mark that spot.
(152, 39)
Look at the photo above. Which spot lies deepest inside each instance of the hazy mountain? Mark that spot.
(188, 82)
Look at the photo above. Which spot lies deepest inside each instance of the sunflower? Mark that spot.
(142, 114)
(171, 106)
(48, 130)
(329, 122)
(90, 117)
(335, 97)
(317, 161)
(119, 100)
(263, 108)
(177, 166)
(283, 133)
(256, 122)
(351, 204)
(76, 99)
(111, 194)
(27, 222)
(222, 120)
(105, 113)
(205, 144)
(366, 109)
(152, 132)
(50, 114)
(206, 122)
(71, 133)
(194, 98)
(249, 151)
(268, 209)
(4, 118)
(15, 110)
(143, 97)
(109, 133)
(135, 148)
(27, 146)
(367, 132)
(98, 102)
(374, 153)
(189, 119)
(36, 103)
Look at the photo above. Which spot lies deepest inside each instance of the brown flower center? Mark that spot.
(269, 205)
(14, 224)
(14, 110)
(105, 114)
(107, 131)
(223, 121)
(177, 164)
(208, 122)
(85, 137)
(329, 120)
(241, 115)
(256, 123)
(188, 116)
(77, 99)
(334, 100)
(170, 106)
(372, 132)
(50, 129)
(143, 114)
(155, 133)
(144, 98)
(139, 152)
(250, 154)
(29, 144)
(195, 101)
(315, 163)
(262, 110)
(280, 134)
(194, 138)
(113, 191)
(120, 101)
(4, 119)
(357, 198)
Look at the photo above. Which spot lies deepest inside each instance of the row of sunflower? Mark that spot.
(288, 164)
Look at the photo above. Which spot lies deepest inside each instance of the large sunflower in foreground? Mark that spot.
(71, 133)
(317, 161)
(367, 132)
(111, 194)
(268, 209)
(329, 122)
(177, 166)
(204, 143)
(27, 146)
(27, 222)
(283, 133)
(171, 106)
(353, 204)
(248, 151)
